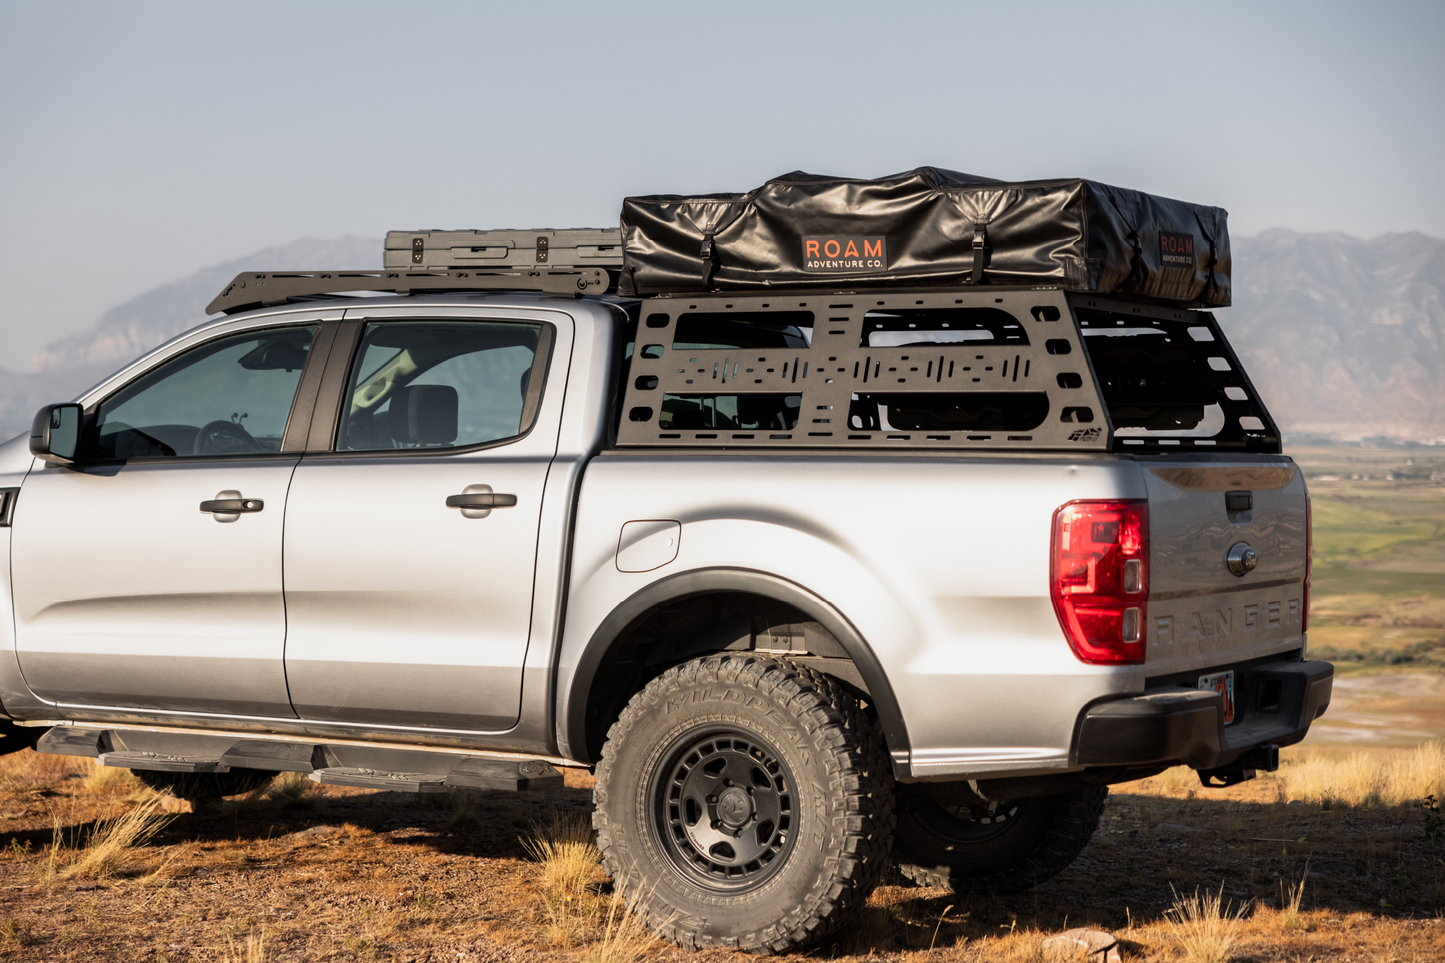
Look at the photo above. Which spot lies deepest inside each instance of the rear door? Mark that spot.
(403, 610)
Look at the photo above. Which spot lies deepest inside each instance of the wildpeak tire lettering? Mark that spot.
(829, 253)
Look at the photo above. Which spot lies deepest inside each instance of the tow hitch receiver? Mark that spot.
(1242, 769)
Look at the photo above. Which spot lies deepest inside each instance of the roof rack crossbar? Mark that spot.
(258, 289)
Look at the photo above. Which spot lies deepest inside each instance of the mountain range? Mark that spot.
(1343, 337)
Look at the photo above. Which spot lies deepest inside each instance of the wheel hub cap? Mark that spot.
(734, 808)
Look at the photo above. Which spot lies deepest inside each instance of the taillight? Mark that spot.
(1304, 623)
(1099, 578)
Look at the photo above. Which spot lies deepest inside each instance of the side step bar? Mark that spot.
(333, 764)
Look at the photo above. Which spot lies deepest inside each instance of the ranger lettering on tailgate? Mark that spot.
(1211, 629)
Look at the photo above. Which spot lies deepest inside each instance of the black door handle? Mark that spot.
(229, 506)
(481, 500)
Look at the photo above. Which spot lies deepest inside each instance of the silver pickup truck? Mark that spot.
(803, 624)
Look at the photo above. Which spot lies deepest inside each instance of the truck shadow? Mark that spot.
(1151, 850)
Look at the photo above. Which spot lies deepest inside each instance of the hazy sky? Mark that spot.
(141, 141)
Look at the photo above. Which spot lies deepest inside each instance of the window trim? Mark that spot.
(326, 420)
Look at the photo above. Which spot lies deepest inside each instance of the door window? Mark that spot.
(439, 384)
(229, 397)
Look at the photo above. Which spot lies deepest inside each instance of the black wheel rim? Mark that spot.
(971, 823)
(723, 805)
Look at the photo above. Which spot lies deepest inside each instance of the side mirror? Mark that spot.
(55, 435)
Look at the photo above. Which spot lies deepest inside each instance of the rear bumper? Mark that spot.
(1275, 704)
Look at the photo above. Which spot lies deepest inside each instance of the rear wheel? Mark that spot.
(739, 805)
(205, 787)
(998, 847)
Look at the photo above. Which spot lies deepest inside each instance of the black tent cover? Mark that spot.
(929, 226)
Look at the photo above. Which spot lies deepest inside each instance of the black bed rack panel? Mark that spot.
(1039, 367)
(1246, 424)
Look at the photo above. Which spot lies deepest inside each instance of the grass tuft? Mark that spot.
(292, 790)
(1291, 895)
(111, 847)
(251, 951)
(625, 938)
(564, 847)
(1205, 926)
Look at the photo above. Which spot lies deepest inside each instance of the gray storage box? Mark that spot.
(580, 247)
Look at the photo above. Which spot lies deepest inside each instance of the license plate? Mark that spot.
(1223, 683)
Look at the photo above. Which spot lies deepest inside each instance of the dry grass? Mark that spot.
(1205, 926)
(1368, 779)
(1178, 779)
(1291, 895)
(108, 778)
(251, 951)
(624, 936)
(564, 847)
(111, 847)
(578, 915)
(27, 772)
(373, 876)
(292, 789)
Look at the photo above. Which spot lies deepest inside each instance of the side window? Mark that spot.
(438, 384)
(229, 397)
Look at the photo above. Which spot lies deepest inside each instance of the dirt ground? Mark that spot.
(341, 874)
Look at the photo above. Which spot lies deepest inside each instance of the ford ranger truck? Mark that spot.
(815, 584)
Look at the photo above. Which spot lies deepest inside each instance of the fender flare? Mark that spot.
(705, 582)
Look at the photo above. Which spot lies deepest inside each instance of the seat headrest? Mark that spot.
(424, 415)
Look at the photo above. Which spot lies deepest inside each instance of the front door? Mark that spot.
(128, 592)
(403, 610)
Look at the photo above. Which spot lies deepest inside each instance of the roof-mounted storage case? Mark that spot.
(927, 226)
(451, 250)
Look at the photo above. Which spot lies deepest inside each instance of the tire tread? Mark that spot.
(840, 730)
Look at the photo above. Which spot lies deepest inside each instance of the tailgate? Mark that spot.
(1200, 613)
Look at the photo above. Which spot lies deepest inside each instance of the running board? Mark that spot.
(334, 764)
(161, 762)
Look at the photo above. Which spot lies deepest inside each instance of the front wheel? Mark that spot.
(996, 848)
(739, 805)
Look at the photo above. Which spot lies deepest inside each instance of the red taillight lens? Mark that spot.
(1099, 578)
(1304, 622)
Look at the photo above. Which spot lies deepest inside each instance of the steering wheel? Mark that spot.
(224, 438)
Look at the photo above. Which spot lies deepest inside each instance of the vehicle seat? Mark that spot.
(424, 415)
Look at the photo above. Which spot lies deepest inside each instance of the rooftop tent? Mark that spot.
(927, 226)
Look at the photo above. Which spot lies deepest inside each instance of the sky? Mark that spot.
(141, 141)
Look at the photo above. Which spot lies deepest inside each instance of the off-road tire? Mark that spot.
(933, 847)
(803, 745)
(205, 787)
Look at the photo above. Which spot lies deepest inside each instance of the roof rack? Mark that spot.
(258, 289)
